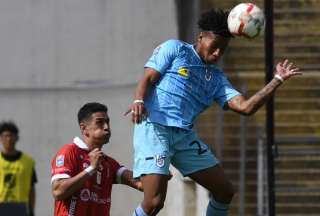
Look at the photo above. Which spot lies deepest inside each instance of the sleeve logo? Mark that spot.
(60, 160)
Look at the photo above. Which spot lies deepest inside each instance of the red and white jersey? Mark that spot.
(94, 198)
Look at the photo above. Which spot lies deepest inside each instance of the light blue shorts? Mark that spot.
(157, 146)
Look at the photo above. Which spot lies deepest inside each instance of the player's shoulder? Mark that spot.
(27, 157)
(111, 160)
(174, 43)
(67, 149)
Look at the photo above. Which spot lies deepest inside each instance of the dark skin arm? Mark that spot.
(137, 110)
(127, 179)
(249, 106)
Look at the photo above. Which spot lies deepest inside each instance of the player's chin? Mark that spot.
(105, 139)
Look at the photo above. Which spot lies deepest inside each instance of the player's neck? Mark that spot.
(9, 152)
(91, 144)
(198, 50)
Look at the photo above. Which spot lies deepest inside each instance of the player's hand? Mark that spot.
(137, 111)
(95, 156)
(138, 185)
(287, 69)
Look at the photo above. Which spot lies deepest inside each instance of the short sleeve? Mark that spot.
(164, 55)
(63, 164)
(225, 91)
(115, 166)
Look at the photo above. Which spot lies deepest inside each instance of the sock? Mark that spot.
(217, 208)
(139, 212)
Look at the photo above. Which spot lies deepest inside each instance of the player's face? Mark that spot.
(211, 47)
(98, 128)
(8, 140)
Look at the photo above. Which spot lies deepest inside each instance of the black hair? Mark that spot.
(9, 126)
(215, 20)
(88, 109)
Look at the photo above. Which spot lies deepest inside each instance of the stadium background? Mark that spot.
(57, 55)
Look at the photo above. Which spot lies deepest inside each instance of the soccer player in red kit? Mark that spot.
(82, 175)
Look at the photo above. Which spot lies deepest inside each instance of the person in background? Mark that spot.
(17, 170)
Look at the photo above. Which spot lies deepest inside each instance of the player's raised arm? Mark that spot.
(137, 108)
(64, 188)
(284, 70)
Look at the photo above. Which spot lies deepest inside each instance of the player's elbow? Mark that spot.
(58, 194)
(247, 111)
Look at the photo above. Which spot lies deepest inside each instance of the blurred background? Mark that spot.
(57, 55)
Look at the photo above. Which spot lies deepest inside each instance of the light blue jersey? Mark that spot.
(186, 87)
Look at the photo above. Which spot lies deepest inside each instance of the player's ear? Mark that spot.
(83, 128)
(200, 36)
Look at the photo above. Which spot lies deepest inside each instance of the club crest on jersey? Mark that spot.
(183, 72)
(60, 160)
(160, 159)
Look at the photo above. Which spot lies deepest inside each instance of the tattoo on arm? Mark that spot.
(252, 104)
(261, 96)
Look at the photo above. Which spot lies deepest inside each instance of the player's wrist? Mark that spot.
(141, 101)
(90, 170)
(279, 78)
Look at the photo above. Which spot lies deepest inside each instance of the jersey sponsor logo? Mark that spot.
(60, 160)
(183, 72)
(160, 159)
(87, 195)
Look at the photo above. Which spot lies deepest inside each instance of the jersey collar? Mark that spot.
(80, 143)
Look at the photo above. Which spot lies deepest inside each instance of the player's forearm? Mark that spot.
(127, 179)
(64, 188)
(256, 101)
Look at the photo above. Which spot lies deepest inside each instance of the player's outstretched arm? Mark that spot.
(127, 179)
(137, 109)
(284, 70)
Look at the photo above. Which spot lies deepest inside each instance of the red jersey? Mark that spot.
(94, 198)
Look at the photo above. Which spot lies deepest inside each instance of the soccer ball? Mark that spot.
(247, 20)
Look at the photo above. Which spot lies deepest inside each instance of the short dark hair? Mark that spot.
(215, 20)
(88, 109)
(9, 126)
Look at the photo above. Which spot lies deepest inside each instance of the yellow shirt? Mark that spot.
(15, 179)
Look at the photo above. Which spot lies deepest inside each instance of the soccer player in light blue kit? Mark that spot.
(180, 81)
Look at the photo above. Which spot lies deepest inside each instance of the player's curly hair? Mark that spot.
(88, 109)
(215, 20)
(9, 126)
